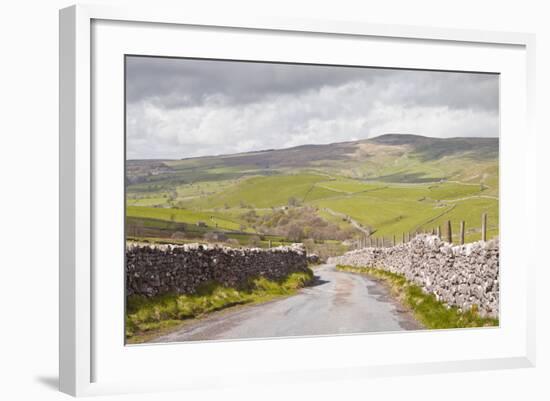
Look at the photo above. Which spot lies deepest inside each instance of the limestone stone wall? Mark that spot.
(153, 270)
(461, 276)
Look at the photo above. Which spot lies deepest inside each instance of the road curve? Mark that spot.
(338, 303)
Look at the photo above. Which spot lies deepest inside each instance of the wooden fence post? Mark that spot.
(438, 231)
(269, 244)
(394, 240)
(462, 230)
(484, 227)
(403, 239)
(449, 232)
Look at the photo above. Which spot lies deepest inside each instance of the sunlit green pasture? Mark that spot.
(397, 209)
(146, 201)
(185, 216)
(415, 168)
(385, 217)
(470, 211)
(263, 191)
(339, 220)
(317, 191)
(203, 188)
(389, 209)
(347, 185)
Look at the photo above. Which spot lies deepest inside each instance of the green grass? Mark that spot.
(318, 192)
(347, 185)
(398, 208)
(243, 241)
(264, 191)
(147, 318)
(154, 200)
(210, 218)
(411, 168)
(470, 211)
(389, 208)
(334, 219)
(432, 313)
(452, 190)
(388, 216)
(168, 194)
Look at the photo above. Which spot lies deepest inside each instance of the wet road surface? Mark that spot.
(338, 303)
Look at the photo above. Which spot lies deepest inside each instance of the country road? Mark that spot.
(337, 303)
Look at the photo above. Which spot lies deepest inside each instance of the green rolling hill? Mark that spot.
(387, 185)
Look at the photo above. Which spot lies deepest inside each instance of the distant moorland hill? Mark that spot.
(390, 157)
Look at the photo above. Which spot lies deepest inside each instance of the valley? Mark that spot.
(325, 196)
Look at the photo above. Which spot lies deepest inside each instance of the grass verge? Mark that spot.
(432, 313)
(147, 318)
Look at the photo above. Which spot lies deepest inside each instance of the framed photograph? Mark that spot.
(238, 195)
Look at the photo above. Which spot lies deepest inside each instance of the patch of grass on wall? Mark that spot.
(432, 313)
(147, 318)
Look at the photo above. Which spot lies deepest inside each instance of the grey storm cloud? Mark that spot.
(189, 107)
(185, 82)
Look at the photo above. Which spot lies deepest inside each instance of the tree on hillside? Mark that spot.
(295, 233)
(250, 216)
(232, 242)
(309, 244)
(254, 241)
(292, 201)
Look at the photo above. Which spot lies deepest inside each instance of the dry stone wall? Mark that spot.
(154, 270)
(461, 276)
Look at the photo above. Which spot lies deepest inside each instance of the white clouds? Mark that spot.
(341, 110)
(433, 121)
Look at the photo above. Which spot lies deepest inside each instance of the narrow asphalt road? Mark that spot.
(338, 303)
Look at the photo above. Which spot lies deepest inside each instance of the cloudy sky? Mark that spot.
(179, 108)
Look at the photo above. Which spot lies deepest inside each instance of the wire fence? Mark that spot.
(445, 233)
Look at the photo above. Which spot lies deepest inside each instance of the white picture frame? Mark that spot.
(83, 352)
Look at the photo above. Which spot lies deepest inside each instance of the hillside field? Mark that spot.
(328, 194)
